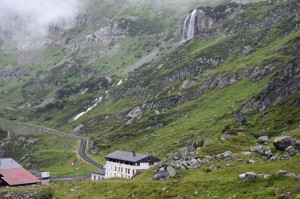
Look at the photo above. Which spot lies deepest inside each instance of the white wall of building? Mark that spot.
(96, 177)
(114, 169)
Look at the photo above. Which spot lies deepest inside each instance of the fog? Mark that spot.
(26, 22)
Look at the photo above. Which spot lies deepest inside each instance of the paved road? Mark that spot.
(82, 148)
(68, 178)
(82, 153)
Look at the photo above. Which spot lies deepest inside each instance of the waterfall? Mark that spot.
(189, 26)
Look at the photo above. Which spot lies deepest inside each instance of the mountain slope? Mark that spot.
(239, 74)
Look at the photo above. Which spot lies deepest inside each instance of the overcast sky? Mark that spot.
(28, 20)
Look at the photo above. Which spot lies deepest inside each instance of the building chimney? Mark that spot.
(133, 153)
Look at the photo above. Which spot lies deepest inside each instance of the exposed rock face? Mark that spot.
(134, 113)
(284, 84)
(104, 35)
(10, 145)
(203, 22)
(200, 21)
(30, 59)
(8, 73)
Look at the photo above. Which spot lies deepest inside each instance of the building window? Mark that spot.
(138, 164)
(128, 171)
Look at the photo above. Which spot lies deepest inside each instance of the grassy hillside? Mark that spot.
(239, 76)
(223, 183)
(45, 152)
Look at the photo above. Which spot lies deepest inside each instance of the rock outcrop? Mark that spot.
(283, 142)
(104, 36)
(283, 85)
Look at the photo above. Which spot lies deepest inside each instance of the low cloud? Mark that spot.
(26, 23)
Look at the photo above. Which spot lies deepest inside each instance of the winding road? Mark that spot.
(82, 148)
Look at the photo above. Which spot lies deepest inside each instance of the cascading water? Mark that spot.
(189, 26)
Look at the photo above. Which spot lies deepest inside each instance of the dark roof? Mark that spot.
(9, 163)
(100, 172)
(18, 176)
(129, 156)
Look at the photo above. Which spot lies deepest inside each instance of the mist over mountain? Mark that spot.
(26, 23)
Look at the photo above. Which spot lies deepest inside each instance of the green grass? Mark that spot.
(223, 183)
(58, 163)
(203, 117)
(50, 152)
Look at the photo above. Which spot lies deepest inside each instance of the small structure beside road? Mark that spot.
(98, 175)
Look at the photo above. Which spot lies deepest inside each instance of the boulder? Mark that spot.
(227, 154)
(286, 195)
(161, 169)
(256, 148)
(245, 177)
(263, 139)
(290, 175)
(268, 153)
(6, 196)
(213, 168)
(183, 152)
(207, 159)
(277, 191)
(247, 153)
(171, 171)
(283, 142)
(250, 161)
(280, 172)
(225, 135)
(160, 176)
(207, 142)
(297, 145)
(291, 151)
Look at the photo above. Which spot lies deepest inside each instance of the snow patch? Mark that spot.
(89, 109)
(120, 82)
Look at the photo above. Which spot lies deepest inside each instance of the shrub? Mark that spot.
(46, 194)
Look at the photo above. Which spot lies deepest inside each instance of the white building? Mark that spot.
(125, 164)
(98, 175)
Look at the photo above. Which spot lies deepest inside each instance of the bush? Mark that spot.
(207, 170)
(3, 133)
(226, 128)
(46, 194)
